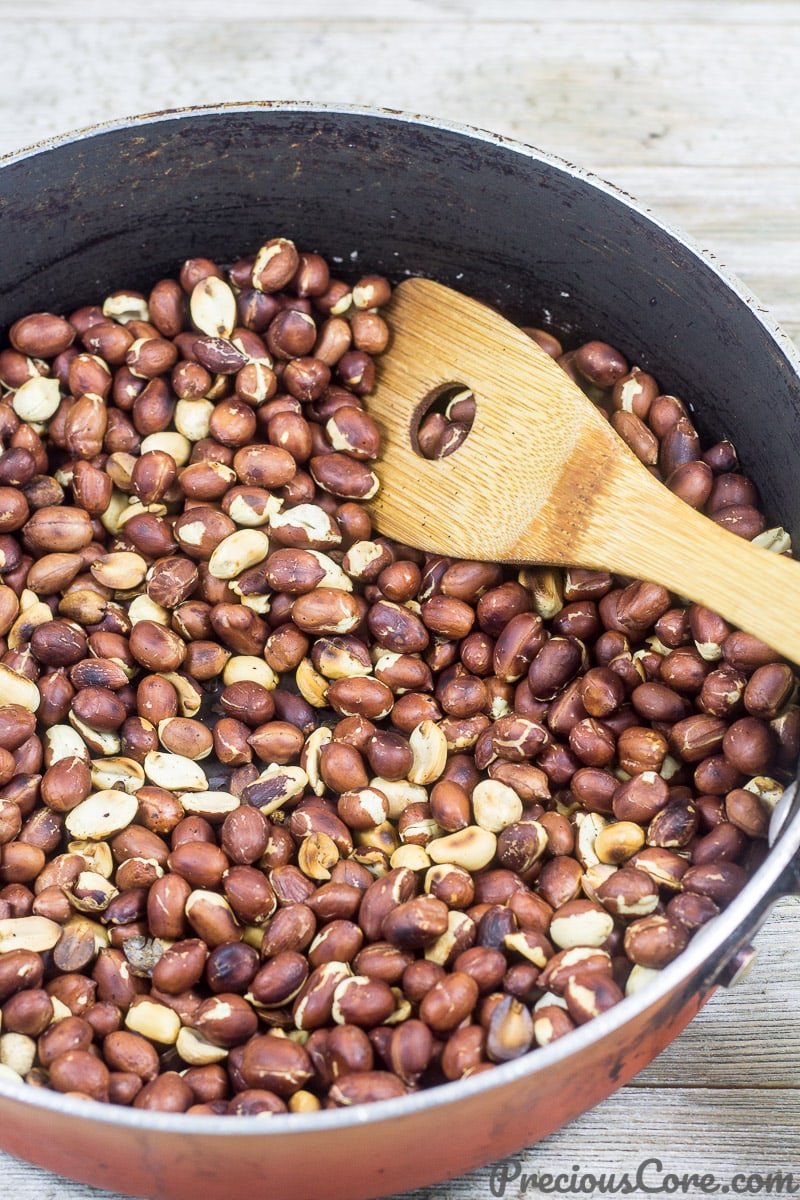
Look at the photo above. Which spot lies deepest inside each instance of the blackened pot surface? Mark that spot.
(547, 245)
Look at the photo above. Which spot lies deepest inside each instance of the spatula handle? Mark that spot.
(751, 587)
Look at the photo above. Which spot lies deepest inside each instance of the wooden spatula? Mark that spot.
(542, 477)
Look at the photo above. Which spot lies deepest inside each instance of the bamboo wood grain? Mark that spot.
(542, 477)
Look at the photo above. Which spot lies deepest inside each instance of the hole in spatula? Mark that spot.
(443, 420)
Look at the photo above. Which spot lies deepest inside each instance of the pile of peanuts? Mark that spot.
(293, 816)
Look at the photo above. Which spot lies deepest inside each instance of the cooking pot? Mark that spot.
(121, 205)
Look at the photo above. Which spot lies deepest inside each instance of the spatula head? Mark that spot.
(542, 476)
(516, 488)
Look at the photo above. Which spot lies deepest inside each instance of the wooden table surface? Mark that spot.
(691, 106)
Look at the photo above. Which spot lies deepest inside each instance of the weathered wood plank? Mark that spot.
(671, 91)
(624, 13)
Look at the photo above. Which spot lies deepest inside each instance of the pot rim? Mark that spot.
(708, 952)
